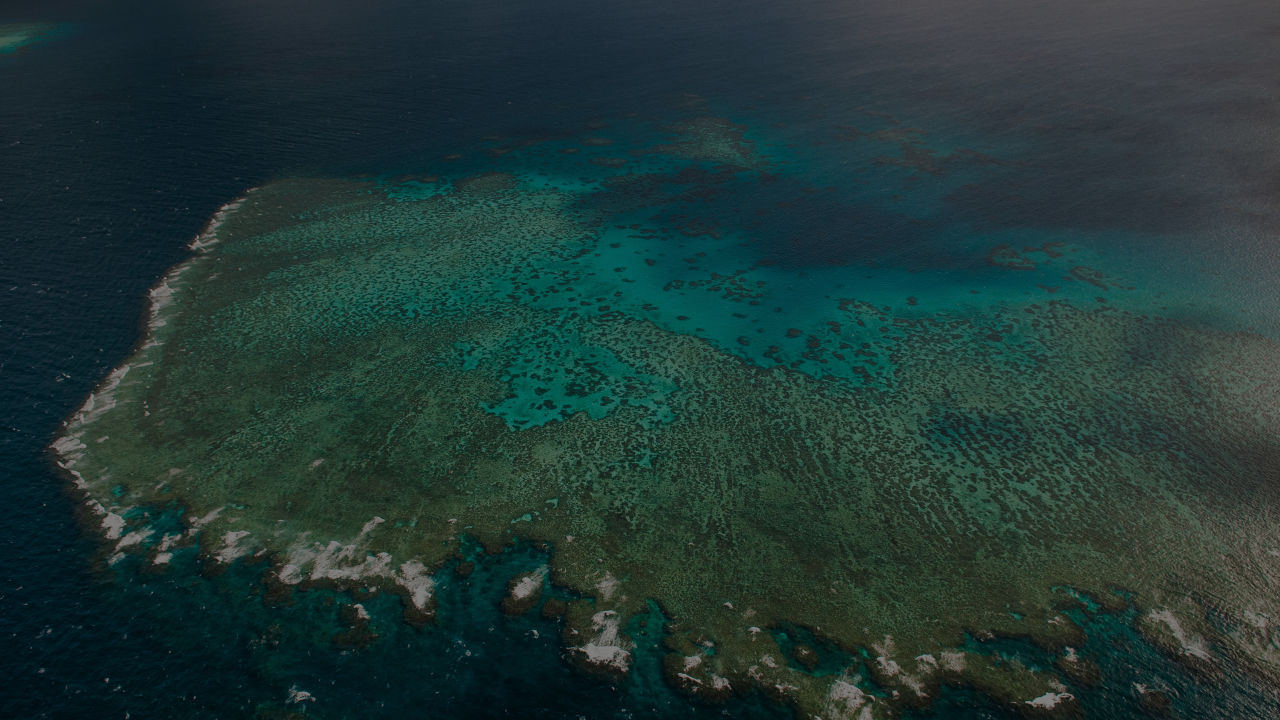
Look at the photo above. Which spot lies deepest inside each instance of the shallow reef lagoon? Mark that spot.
(821, 359)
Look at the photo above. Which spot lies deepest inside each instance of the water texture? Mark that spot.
(925, 359)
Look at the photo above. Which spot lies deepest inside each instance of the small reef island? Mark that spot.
(701, 410)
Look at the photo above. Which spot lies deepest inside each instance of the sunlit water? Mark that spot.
(1138, 136)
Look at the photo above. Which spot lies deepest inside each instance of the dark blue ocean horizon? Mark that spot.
(1147, 126)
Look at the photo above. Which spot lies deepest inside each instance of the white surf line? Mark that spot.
(69, 447)
(208, 237)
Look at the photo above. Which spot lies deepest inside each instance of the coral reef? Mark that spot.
(349, 377)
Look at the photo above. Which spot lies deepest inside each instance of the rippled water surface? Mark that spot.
(928, 157)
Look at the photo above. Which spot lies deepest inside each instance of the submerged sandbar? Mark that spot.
(16, 36)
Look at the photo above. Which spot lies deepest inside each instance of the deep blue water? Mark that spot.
(1148, 124)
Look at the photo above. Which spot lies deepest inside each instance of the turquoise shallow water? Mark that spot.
(1136, 135)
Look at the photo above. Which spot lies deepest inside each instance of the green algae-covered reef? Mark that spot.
(349, 377)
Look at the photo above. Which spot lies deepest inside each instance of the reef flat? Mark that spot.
(699, 408)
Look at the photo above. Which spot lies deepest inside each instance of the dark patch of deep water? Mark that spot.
(1146, 122)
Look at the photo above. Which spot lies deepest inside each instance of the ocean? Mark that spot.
(916, 137)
